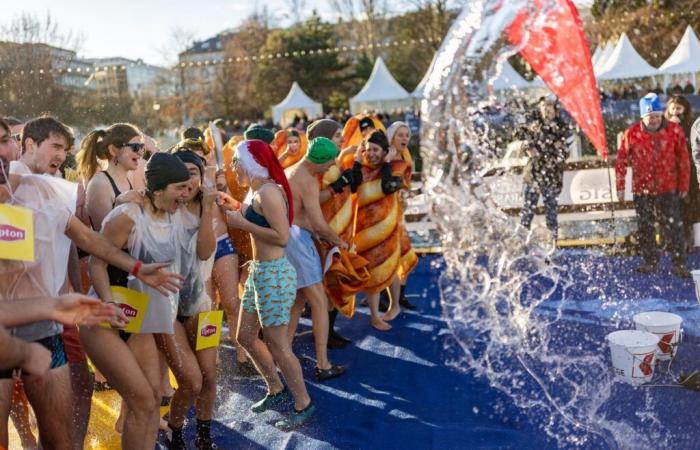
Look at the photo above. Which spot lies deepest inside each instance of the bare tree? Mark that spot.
(35, 55)
(297, 11)
(365, 22)
(180, 40)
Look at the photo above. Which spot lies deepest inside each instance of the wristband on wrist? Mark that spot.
(137, 267)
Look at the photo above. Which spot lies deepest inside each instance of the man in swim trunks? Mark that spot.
(301, 250)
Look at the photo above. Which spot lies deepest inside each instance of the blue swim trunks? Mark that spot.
(224, 247)
(301, 252)
(270, 291)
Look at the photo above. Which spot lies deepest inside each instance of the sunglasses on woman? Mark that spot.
(135, 146)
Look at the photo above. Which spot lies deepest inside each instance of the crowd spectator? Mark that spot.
(547, 138)
(656, 150)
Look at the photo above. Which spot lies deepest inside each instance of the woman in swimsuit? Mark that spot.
(151, 234)
(195, 371)
(270, 289)
(121, 146)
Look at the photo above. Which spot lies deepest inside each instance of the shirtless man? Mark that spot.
(301, 251)
(55, 226)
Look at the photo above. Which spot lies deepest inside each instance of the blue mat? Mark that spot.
(401, 392)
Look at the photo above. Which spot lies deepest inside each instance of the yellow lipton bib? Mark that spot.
(16, 233)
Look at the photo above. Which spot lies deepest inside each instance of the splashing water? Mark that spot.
(498, 274)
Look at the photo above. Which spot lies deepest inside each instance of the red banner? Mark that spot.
(552, 41)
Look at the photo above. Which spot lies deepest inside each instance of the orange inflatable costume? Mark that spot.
(279, 146)
(408, 260)
(241, 239)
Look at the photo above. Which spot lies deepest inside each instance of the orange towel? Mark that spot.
(279, 146)
(345, 277)
(377, 233)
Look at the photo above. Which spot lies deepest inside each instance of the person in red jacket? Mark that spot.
(656, 150)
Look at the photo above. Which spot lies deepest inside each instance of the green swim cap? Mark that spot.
(321, 151)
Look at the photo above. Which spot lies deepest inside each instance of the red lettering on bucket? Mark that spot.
(665, 342)
(128, 310)
(11, 233)
(645, 366)
(208, 330)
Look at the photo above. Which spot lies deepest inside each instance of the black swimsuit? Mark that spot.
(117, 277)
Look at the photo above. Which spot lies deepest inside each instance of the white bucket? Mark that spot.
(633, 354)
(666, 326)
(696, 280)
(696, 234)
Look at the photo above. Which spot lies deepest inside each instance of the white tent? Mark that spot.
(625, 62)
(685, 59)
(596, 55)
(603, 57)
(295, 103)
(381, 92)
(418, 91)
(508, 78)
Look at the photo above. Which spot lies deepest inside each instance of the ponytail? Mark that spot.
(92, 148)
(95, 146)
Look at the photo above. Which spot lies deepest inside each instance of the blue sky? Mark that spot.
(143, 28)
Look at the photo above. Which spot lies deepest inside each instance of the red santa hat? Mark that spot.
(259, 161)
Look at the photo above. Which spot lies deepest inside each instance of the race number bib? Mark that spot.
(133, 304)
(209, 329)
(16, 233)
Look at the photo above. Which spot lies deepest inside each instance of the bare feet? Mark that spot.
(379, 324)
(391, 314)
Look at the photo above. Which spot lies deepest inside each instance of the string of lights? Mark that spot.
(225, 60)
(624, 17)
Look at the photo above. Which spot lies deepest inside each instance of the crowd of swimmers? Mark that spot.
(261, 226)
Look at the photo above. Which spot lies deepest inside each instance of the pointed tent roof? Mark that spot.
(509, 78)
(625, 62)
(296, 99)
(686, 57)
(603, 57)
(418, 91)
(381, 86)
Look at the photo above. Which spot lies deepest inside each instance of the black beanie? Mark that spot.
(188, 156)
(366, 122)
(192, 133)
(164, 169)
(379, 138)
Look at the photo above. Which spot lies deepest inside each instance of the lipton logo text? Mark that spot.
(11, 233)
(209, 330)
(128, 310)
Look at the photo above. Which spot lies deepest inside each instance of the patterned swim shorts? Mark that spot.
(270, 291)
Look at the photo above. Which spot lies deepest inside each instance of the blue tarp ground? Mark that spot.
(401, 392)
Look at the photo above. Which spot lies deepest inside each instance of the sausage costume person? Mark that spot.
(377, 218)
(347, 272)
(399, 135)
